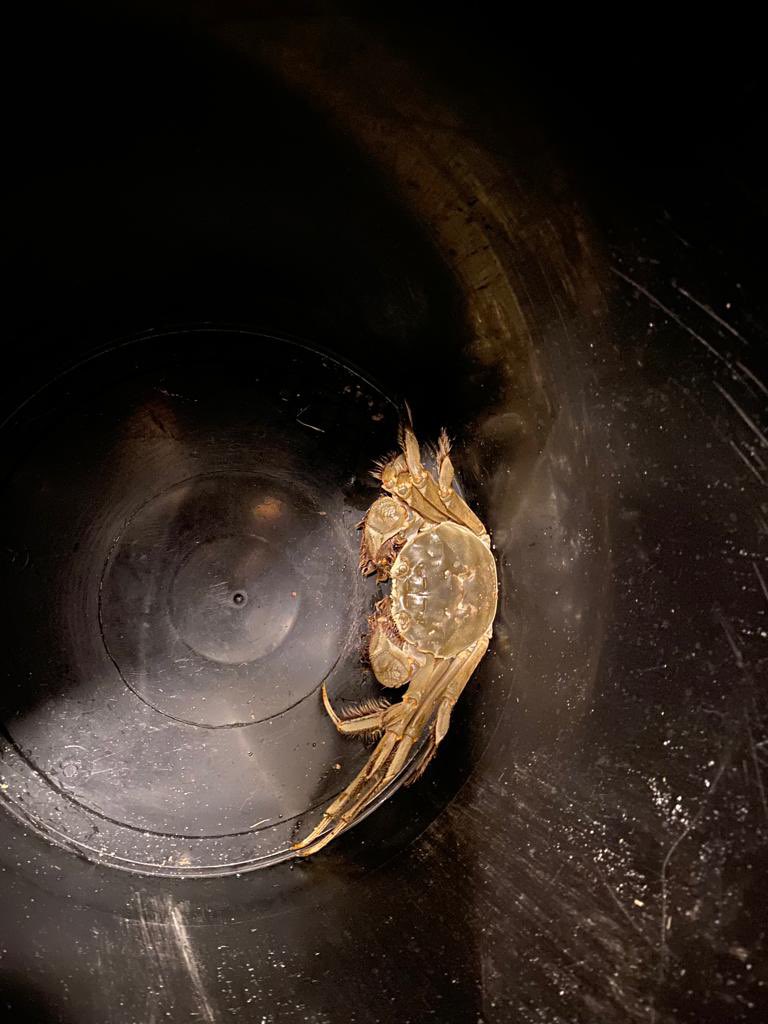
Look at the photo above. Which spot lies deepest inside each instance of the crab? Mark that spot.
(429, 634)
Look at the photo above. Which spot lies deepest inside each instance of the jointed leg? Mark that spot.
(445, 471)
(309, 844)
(452, 500)
(439, 494)
(434, 686)
(412, 454)
(360, 724)
(423, 760)
(404, 724)
(456, 683)
(462, 670)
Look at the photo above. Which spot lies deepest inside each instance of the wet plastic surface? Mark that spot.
(587, 318)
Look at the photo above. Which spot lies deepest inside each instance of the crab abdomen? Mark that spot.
(444, 589)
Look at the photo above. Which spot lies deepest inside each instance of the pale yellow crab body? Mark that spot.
(444, 589)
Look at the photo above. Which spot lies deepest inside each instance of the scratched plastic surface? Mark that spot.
(550, 245)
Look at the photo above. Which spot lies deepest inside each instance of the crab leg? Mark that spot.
(383, 751)
(409, 723)
(368, 780)
(451, 499)
(446, 687)
(377, 775)
(381, 717)
(461, 674)
(432, 512)
(440, 496)
(369, 776)
(444, 465)
(351, 726)
(374, 782)
(436, 685)
(421, 762)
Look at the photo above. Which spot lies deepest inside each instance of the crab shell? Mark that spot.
(444, 589)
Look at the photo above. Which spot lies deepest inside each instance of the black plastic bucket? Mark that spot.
(242, 240)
